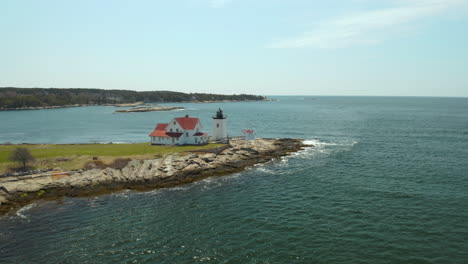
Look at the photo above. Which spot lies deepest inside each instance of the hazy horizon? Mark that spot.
(338, 48)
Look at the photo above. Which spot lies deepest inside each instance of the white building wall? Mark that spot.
(219, 129)
(183, 139)
(189, 138)
(166, 141)
(176, 128)
(197, 140)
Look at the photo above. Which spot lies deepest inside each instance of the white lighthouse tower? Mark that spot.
(219, 126)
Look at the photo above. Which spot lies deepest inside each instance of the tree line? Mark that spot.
(12, 97)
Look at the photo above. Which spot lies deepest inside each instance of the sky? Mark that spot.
(265, 47)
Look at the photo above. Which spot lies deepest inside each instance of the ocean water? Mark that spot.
(386, 182)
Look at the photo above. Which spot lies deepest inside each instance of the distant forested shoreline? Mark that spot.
(18, 98)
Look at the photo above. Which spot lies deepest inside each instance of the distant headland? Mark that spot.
(13, 98)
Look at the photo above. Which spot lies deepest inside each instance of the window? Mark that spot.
(177, 130)
(171, 129)
(195, 140)
(217, 125)
(186, 134)
(174, 122)
(173, 140)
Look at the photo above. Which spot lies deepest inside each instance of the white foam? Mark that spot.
(213, 182)
(206, 184)
(318, 143)
(122, 194)
(316, 148)
(264, 169)
(22, 212)
(169, 189)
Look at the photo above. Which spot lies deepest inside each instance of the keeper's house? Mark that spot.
(180, 131)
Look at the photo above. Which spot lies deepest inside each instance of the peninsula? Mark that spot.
(143, 174)
(12, 98)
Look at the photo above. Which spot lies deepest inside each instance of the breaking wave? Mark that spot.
(316, 148)
(22, 212)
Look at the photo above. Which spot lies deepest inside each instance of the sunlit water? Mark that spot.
(387, 182)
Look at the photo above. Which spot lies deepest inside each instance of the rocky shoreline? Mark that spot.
(231, 101)
(163, 172)
(149, 109)
(69, 106)
(127, 104)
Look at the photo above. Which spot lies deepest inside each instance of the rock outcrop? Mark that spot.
(167, 171)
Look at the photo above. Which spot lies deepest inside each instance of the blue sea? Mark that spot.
(386, 182)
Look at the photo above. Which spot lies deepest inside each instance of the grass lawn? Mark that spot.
(77, 155)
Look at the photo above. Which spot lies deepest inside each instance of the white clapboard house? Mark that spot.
(180, 131)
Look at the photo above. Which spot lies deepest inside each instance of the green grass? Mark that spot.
(46, 154)
(114, 150)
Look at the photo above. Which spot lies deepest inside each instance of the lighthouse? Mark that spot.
(219, 126)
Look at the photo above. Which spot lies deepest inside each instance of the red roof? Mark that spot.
(163, 133)
(187, 123)
(160, 131)
(161, 126)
